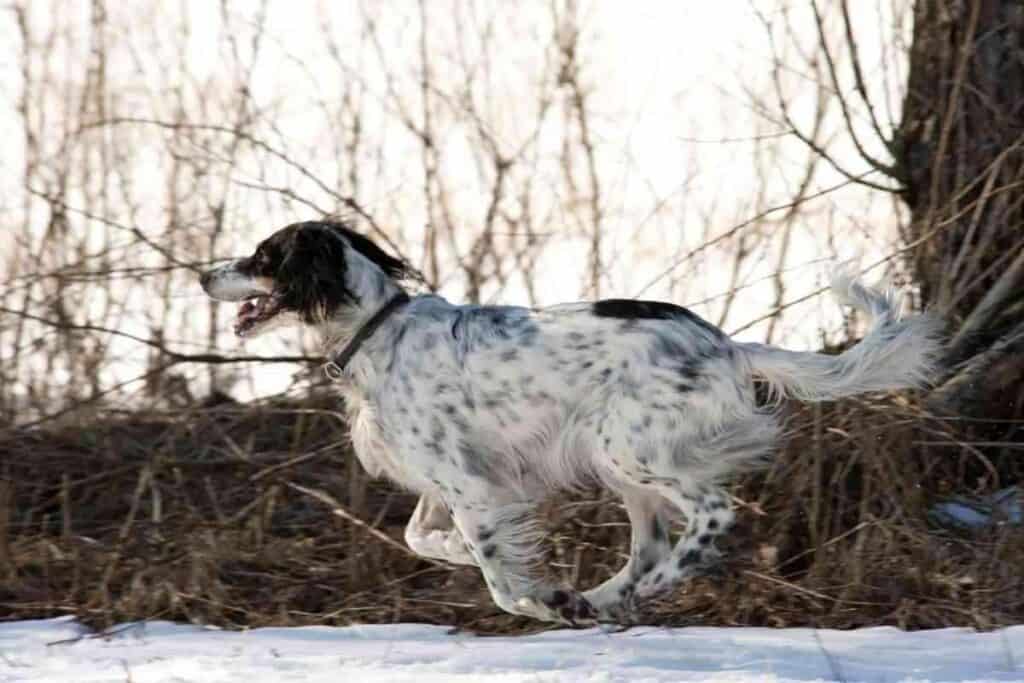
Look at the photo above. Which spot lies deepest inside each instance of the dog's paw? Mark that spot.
(560, 606)
(615, 606)
(620, 614)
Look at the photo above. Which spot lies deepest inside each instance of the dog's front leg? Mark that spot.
(431, 533)
(504, 541)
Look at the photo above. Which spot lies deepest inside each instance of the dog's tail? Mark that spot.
(895, 354)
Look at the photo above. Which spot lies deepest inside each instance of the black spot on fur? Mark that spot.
(558, 598)
(657, 530)
(438, 432)
(489, 551)
(690, 558)
(691, 369)
(456, 326)
(476, 463)
(509, 356)
(636, 309)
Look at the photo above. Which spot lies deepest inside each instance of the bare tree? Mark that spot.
(960, 150)
(955, 157)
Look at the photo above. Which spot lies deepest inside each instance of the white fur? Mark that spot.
(487, 410)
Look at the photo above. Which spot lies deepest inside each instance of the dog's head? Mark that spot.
(303, 273)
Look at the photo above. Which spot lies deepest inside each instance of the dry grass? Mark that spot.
(224, 516)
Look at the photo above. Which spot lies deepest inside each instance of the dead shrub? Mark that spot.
(259, 515)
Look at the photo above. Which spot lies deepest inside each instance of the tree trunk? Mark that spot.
(960, 150)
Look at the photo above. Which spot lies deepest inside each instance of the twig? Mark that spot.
(340, 511)
(801, 589)
(293, 461)
(175, 356)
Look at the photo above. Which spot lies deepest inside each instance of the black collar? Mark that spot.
(336, 362)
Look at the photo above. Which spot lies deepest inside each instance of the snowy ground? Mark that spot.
(52, 650)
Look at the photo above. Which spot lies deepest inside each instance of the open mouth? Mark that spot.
(253, 311)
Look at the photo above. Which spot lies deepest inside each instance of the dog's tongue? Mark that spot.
(248, 312)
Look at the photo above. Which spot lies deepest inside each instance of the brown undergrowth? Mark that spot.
(258, 515)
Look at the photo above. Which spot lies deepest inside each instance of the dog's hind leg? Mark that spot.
(649, 545)
(504, 541)
(708, 516)
(431, 533)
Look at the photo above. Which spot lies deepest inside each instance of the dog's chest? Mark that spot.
(370, 441)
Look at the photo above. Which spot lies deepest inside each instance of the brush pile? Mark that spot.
(259, 515)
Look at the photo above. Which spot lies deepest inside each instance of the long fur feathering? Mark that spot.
(896, 353)
(486, 410)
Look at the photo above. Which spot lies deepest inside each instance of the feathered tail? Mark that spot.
(895, 354)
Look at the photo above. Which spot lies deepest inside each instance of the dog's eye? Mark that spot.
(263, 261)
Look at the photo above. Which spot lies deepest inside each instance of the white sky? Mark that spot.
(666, 80)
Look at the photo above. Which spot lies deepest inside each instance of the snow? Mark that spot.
(62, 650)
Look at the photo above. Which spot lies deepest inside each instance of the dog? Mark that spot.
(486, 410)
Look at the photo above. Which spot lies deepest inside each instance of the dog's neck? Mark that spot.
(339, 331)
(339, 358)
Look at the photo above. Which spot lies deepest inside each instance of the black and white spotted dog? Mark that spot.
(485, 410)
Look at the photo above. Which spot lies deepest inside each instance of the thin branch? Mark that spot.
(858, 75)
(887, 169)
(740, 226)
(175, 356)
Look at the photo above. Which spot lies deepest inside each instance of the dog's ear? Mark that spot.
(394, 268)
(313, 274)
